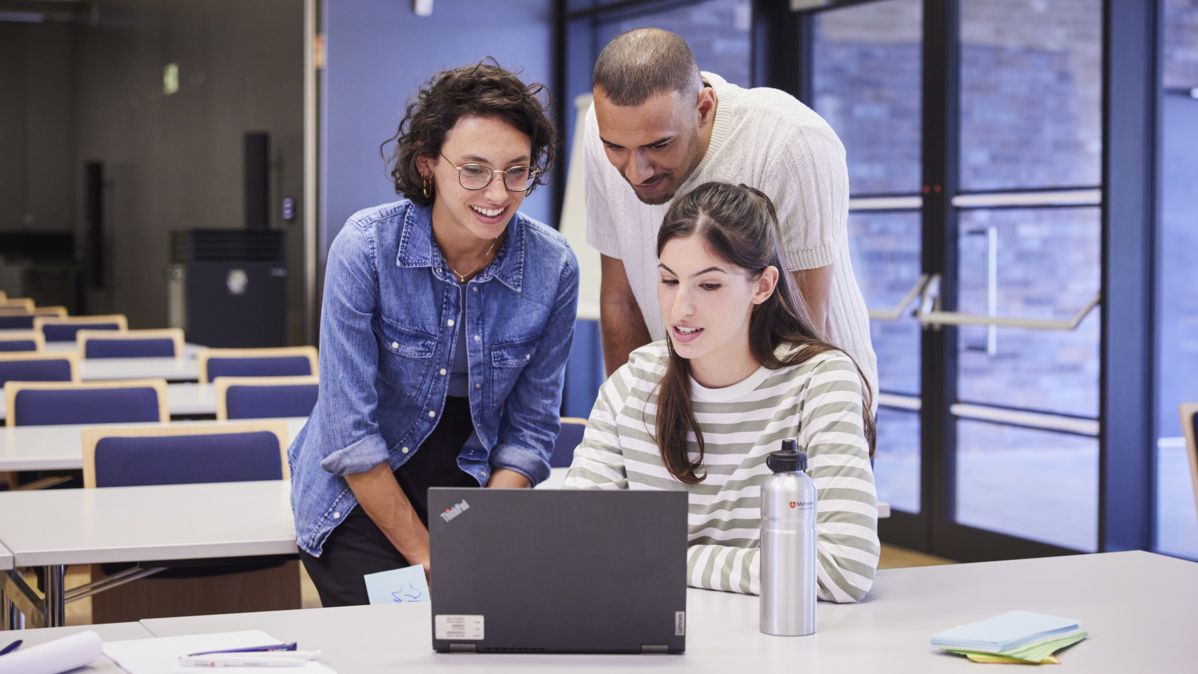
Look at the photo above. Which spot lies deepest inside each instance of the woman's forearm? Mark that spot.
(389, 508)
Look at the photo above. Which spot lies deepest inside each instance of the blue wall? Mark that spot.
(379, 53)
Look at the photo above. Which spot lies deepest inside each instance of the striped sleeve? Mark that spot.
(729, 568)
(838, 462)
(598, 460)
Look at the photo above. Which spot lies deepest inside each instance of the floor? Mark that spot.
(79, 612)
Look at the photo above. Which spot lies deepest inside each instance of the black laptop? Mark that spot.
(546, 571)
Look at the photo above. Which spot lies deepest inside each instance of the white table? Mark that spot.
(182, 399)
(5, 559)
(61, 447)
(108, 632)
(139, 524)
(170, 369)
(1139, 609)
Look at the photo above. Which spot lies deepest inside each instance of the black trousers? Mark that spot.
(358, 547)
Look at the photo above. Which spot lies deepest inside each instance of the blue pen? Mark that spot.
(250, 649)
(12, 647)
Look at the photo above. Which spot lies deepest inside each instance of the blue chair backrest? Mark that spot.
(277, 366)
(568, 438)
(34, 370)
(268, 402)
(35, 407)
(18, 345)
(188, 459)
(65, 332)
(152, 347)
(17, 322)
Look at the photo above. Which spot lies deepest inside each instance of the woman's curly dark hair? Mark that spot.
(484, 90)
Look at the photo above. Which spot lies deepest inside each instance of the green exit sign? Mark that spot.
(170, 78)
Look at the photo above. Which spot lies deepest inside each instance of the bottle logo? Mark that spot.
(794, 504)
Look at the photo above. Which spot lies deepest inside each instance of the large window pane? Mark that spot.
(1031, 78)
(896, 465)
(885, 249)
(1177, 305)
(867, 84)
(1034, 263)
(716, 30)
(1027, 483)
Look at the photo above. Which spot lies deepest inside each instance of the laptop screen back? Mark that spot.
(522, 570)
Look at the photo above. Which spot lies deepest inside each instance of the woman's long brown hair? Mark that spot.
(740, 226)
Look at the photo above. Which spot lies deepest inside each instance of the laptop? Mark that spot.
(548, 571)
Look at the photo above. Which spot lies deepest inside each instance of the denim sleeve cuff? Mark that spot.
(359, 457)
(527, 462)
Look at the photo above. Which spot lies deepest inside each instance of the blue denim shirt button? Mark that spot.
(394, 345)
(478, 338)
(449, 322)
(475, 288)
(405, 450)
(477, 386)
(432, 414)
(441, 372)
(336, 514)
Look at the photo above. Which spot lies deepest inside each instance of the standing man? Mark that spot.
(658, 128)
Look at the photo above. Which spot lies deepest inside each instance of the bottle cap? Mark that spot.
(788, 459)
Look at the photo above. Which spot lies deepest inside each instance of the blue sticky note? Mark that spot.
(398, 586)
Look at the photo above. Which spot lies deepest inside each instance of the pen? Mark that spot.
(247, 660)
(250, 649)
(11, 647)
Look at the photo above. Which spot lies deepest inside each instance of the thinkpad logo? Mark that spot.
(455, 510)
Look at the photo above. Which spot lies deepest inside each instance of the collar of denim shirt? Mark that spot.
(417, 249)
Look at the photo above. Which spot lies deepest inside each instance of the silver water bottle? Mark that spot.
(788, 585)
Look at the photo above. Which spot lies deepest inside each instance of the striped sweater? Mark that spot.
(817, 402)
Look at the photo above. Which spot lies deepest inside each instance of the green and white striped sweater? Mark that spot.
(817, 402)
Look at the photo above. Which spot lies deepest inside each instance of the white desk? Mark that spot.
(182, 399)
(170, 369)
(141, 524)
(108, 632)
(60, 447)
(5, 559)
(1137, 607)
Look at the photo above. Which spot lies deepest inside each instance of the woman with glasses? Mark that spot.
(445, 327)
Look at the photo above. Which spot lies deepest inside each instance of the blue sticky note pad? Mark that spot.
(398, 586)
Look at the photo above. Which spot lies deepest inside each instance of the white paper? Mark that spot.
(397, 586)
(52, 657)
(160, 655)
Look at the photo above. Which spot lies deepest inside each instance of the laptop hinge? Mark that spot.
(654, 648)
(463, 648)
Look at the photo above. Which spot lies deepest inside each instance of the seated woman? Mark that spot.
(444, 332)
(740, 371)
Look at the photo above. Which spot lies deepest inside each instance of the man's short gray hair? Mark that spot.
(644, 62)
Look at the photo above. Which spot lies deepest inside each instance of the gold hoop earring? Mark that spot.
(426, 189)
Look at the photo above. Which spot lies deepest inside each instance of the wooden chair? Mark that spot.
(265, 397)
(181, 454)
(59, 329)
(1189, 427)
(286, 361)
(164, 343)
(111, 402)
(568, 437)
(22, 341)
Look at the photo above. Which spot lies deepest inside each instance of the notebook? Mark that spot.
(546, 571)
(1005, 632)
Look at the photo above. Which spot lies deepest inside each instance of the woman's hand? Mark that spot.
(502, 478)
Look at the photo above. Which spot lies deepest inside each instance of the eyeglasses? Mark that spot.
(478, 176)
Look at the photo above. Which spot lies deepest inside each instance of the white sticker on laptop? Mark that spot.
(458, 626)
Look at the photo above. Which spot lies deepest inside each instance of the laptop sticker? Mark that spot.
(397, 586)
(679, 623)
(458, 627)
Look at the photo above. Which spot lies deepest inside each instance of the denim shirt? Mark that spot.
(389, 325)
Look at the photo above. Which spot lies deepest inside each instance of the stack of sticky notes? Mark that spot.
(1022, 637)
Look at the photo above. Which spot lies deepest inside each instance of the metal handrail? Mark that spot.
(897, 311)
(937, 318)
